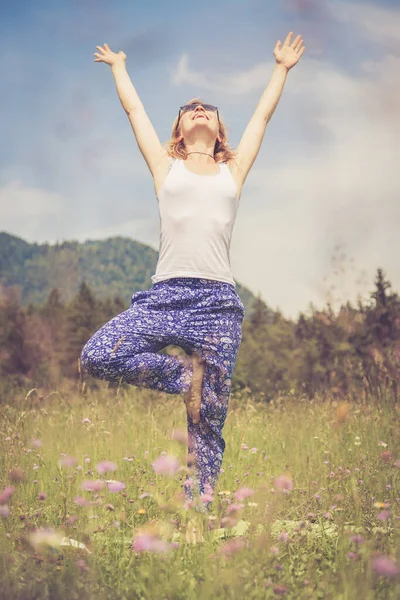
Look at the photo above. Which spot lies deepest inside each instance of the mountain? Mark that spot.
(113, 267)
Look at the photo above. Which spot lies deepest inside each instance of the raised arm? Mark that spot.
(149, 144)
(286, 57)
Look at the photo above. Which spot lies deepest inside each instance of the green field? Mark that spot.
(316, 514)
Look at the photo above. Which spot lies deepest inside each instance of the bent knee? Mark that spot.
(95, 361)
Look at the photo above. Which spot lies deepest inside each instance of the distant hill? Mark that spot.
(113, 267)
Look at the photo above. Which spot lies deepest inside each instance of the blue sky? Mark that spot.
(321, 205)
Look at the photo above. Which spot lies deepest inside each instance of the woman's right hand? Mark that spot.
(109, 57)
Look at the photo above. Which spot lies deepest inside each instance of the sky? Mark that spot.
(320, 208)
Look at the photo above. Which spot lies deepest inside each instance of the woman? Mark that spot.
(193, 303)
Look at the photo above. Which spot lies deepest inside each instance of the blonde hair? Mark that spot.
(222, 153)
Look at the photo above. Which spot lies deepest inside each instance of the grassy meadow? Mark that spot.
(92, 502)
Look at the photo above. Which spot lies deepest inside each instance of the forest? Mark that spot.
(53, 298)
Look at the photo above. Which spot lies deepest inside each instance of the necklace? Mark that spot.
(200, 153)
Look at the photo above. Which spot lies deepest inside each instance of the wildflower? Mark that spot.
(242, 493)
(68, 461)
(166, 465)
(37, 443)
(6, 494)
(92, 486)
(284, 483)
(86, 420)
(71, 520)
(207, 498)
(228, 521)
(357, 539)
(80, 501)
(280, 589)
(232, 546)
(105, 466)
(234, 508)
(382, 444)
(244, 447)
(274, 550)
(352, 555)
(42, 496)
(283, 536)
(148, 542)
(81, 565)
(385, 566)
(384, 515)
(116, 486)
(253, 450)
(208, 489)
(4, 510)
(386, 456)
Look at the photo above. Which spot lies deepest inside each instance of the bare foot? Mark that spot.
(193, 534)
(193, 395)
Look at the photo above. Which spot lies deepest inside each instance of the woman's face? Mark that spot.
(199, 123)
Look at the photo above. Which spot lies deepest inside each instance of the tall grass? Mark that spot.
(307, 504)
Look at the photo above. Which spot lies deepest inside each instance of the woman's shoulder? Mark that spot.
(230, 163)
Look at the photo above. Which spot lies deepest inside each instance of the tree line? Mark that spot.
(355, 352)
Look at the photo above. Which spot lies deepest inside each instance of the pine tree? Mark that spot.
(260, 315)
(13, 357)
(381, 319)
(53, 314)
(83, 319)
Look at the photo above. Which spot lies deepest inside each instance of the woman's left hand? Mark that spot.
(289, 54)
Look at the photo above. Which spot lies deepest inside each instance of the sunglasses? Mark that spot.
(190, 107)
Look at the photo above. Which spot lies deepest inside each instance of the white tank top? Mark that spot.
(197, 215)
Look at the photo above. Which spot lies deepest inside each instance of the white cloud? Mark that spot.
(241, 83)
(341, 189)
(18, 201)
(348, 194)
(27, 212)
(374, 22)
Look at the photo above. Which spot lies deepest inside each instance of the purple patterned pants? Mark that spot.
(201, 316)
